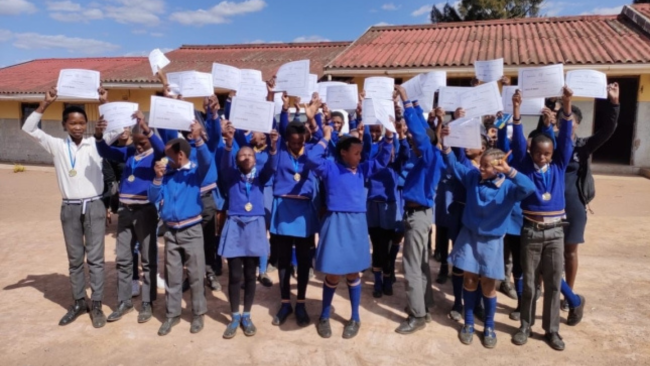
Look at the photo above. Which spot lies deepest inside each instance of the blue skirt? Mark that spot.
(381, 214)
(343, 245)
(478, 254)
(244, 236)
(268, 204)
(294, 217)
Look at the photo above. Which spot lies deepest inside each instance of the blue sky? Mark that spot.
(31, 29)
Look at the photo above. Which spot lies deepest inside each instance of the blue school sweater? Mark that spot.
(534, 205)
(179, 190)
(489, 203)
(284, 183)
(422, 180)
(344, 190)
(235, 185)
(138, 165)
(382, 186)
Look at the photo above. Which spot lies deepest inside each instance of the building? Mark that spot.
(618, 45)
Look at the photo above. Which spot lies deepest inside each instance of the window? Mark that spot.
(25, 110)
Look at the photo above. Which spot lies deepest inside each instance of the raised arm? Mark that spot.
(610, 120)
(154, 193)
(212, 123)
(317, 156)
(503, 142)
(269, 168)
(31, 124)
(460, 171)
(383, 156)
(366, 149)
(518, 145)
(203, 155)
(523, 186)
(564, 150)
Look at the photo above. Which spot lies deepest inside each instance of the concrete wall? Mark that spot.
(641, 146)
(18, 147)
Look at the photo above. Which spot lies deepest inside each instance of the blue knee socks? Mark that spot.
(569, 295)
(354, 289)
(264, 262)
(328, 295)
(490, 304)
(457, 285)
(294, 259)
(469, 297)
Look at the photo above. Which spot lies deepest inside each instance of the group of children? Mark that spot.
(221, 193)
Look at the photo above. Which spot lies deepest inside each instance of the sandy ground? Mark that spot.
(614, 277)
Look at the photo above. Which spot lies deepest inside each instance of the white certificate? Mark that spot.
(587, 83)
(174, 80)
(255, 90)
(413, 88)
(376, 109)
(76, 83)
(541, 82)
(252, 115)
(432, 81)
(313, 88)
(379, 87)
(385, 114)
(157, 60)
(464, 133)
(225, 76)
(322, 88)
(278, 102)
(118, 114)
(293, 77)
(171, 114)
(196, 84)
(448, 97)
(487, 71)
(481, 100)
(529, 106)
(344, 96)
(250, 75)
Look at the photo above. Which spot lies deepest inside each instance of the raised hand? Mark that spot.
(285, 101)
(501, 165)
(505, 80)
(548, 116)
(567, 95)
(100, 127)
(228, 133)
(274, 140)
(613, 93)
(50, 96)
(459, 113)
(142, 122)
(516, 99)
(160, 168)
(196, 130)
(402, 92)
(327, 132)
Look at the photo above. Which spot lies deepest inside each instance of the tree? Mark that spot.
(486, 10)
(641, 2)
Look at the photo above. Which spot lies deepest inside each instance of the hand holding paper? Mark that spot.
(587, 83)
(541, 82)
(76, 83)
(252, 115)
(379, 87)
(118, 114)
(157, 60)
(171, 114)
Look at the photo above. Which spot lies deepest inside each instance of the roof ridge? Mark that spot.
(266, 45)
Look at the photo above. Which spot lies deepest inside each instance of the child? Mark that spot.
(178, 186)
(78, 169)
(243, 239)
(138, 218)
(478, 249)
(542, 235)
(343, 248)
(294, 219)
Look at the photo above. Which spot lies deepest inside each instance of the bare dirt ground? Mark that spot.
(34, 293)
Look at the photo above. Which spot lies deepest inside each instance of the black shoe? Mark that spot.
(248, 326)
(456, 314)
(521, 337)
(265, 280)
(167, 325)
(466, 334)
(515, 315)
(351, 329)
(489, 338)
(146, 313)
(186, 285)
(231, 329)
(211, 281)
(123, 308)
(97, 315)
(79, 307)
(388, 286)
(564, 305)
(378, 290)
(323, 328)
(575, 314)
(302, 318)
(282, 315)
(427, 317)
(411, 325)
(443, 275)
(197, 324)
(218, 269)
(507, 289)
(437, 256)
(555, 341)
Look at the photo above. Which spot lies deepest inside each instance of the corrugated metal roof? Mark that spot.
(37, 76)
(583, 40)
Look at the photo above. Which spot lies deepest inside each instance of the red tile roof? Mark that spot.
(37, 76)
(530, 41)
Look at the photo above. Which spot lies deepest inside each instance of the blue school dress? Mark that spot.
(343, 245)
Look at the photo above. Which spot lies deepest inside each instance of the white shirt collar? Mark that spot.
(187, 166)
(542, 169)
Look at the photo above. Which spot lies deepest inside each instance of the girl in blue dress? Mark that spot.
(491, 193)
(343, 248)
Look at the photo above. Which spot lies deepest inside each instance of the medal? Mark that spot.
(72, 173)
(248, 207)
(164, 160)
(546, 196)
(131, 178)
(296, 177)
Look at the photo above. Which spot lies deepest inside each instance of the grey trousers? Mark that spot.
(542, 251)
(184, 247)
(417, 230)
(507, 260)
(84, 237)
(137, 223)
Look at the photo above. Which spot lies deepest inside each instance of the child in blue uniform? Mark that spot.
(178, 188)
(478, 250)
(243, 239)
(343, 248)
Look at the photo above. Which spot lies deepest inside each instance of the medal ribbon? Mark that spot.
(546, 178)
(73, 161)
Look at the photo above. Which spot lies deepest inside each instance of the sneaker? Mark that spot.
(160, 282)
(135, 288)
(575, 314)
(508, 289)
(489, 338)
(455, 315)
(466, 334)
(265, 280)
(515, 315)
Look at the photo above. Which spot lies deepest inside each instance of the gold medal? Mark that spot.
(546, 196)
(164, 160)
(296, 177)
(131, 178)
(72, 173)
(248, 207)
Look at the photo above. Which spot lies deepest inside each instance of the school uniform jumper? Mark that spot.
(179, 191)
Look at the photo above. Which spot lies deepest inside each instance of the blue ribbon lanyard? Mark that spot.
(248, 189)
(73, 161)
(296, 166)
(546, 178)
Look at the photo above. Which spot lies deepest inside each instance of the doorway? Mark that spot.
(618, 149)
